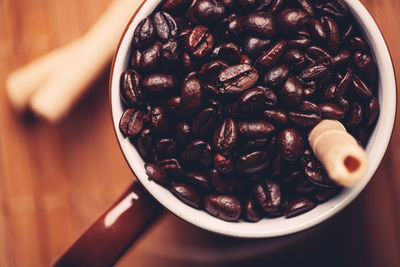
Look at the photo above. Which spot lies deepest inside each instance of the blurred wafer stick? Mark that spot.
(53, 83)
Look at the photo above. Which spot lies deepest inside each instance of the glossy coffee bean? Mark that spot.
(324, 194)
(164, 148)
(255, 98)
(316, 173)
(358, 44)
(230, 53)
(255, 128)
(344, 84)
(150, 57)
(331, 111)
(342, 59)
(183, 133)
(186, 194)
(335, 8)
(198, 152)
(307, 6)
(232, 27)
(366, 66)
(223, 164)
(332, 33)
(208, 11)
(317, 30)
(268, 195)
(199, 181)
(225, 136)
(156, 173)
(291, 92)
(225, 207)
(237, 78)
(205, 122)
(277, 116)
(131, 122)
(253, 162)
(165, 25)
(171, 51)
(159, 83)
(315, 71)
(300, 40)
(144, 144)
(271, 56)
(371, 111)
(294, 58)
(292, 19)
(254, 46)
(200, 41)
(144, 33)
(291, 143)
(260, 24)
(172, 167)
(191, 93)
(174, 5)
(210, 71)
(254, 144)
(277, 75)
(298, 206)
(222, 183)
(354, 115)
(251, 211)
(307, 115)
(360, 87)
(130, 89)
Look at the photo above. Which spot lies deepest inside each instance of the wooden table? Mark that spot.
(55, 179)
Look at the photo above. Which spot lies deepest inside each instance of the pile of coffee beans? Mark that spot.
(220, 96)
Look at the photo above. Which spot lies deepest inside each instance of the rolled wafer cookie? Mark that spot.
(343, 158)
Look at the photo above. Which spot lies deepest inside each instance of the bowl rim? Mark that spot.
(213, 224)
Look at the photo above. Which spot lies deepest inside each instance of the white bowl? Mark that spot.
(267, 227)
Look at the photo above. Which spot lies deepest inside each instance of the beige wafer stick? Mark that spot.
(343, 158)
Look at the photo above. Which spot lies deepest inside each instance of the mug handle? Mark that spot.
(105, 241)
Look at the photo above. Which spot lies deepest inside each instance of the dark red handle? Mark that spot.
(114, 232)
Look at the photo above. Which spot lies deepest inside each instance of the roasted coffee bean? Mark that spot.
(199, 181)
(348, 31)
(298, 206)
(253, 162)
(186, 194)
(307, 6)
(294, 58)
(200, 41)
(131, 122)
(247, 4)
(130, 89)
(156, 173)
(273, 5)
(165, 25)
(336, 8)
(172, 167)
(343, 102)
(304, 187)
(291, 143)
(211, 70)
(342, 59)
(174, 6)
(317, 30)
(245, 60)
(268, 195)
(308, 115)
(188, 61)
(225, 136)
(159, 83)
(254, 144)
(277, 116)
(251, 211)
(144, 144)
(159, 121)
(277, 75)
(271, 56)
(371, 111)
(225, 207)
(223, 164)
(174, 106)
(358, 44)
(164, 148)
(232, 27)
(344, 84)
(198, 152)
(331, 111)
(204, 123)
(254, 46)
(256, 98)
(316, 53)
(332, 33)
(316, 173)
(360, 88)
(191, 93)
(324, 194)
(328, 92)
(144, 33)
(150, 57)
(230, 53)
(300, 40)
(171, 51)
(237, 78)
(291, 92)
(260, 24)
(354, 115)
(316, 71)
(366, 66)
(222, 183)
(292, 19)
(183, 133)
(255, 128)
(208, 11)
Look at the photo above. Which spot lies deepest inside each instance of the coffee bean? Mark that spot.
(271, 56)
(300, 40)
(183, 133)
(200, 41)
(199, 181)
(316, 173)
(131, 122)
(298, 206)
(342, 59)
(144, 144)
(231, 27)
(191, 94)
(294, 58)
(230, 53)
(159, 83)
(225, 207)
(358, 44)
(156, 173)
(371, 111)
(254, 144)
(150, 57)
(237, 78)
(332, 33)
(159, 121)
(144, 34)
(366, 66)
(315, 71)
(277, 116)
(251, 211)
(171, 51)
(223, 164)
(256, 98)
(317, 30)
(292, 19)
(222, 183)
(324, 194)
(268, 195)
(175, 5)
(307, 6)
(208, 11)
(165, 25)
(186, 194)
(291, 92)
(354, 115)
(253, 162)
(204, 123)
(260, 24)
(308, 115)
(277, 75)
(344, 84)
(164, 148)
(304, 187)
(254, 46)
(198, 151)
(336, 8)
(255, 128)
(130, 89)
(291, 143)
(225, 136)
(172, 167)
(331, 111)
(273, 6)
(360, 87)
(245, 60)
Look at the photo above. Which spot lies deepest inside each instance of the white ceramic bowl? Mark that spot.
(267, 227)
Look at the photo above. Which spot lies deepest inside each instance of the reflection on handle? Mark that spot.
(114, 232)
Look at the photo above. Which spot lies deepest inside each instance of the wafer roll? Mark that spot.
(343, 158)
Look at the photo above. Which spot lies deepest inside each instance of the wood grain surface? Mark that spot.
(55, 179)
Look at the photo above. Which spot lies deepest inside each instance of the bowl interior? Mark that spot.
(267, 227)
